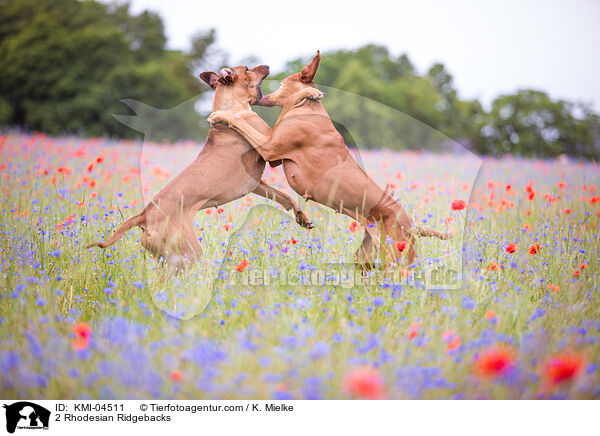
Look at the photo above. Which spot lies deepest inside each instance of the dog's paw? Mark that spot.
(303, 220)
(217, 117)
(314, 94)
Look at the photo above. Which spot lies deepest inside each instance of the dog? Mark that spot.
(319, 166)
(226, 169)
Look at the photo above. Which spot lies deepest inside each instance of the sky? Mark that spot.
(489, 47)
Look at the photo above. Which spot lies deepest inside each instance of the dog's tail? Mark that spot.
(123, 228)
(429, 233)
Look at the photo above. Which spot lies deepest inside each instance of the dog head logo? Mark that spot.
(26, 415)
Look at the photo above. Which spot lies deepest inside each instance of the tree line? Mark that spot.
(67, 63)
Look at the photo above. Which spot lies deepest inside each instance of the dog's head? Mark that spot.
(244, 82)
(294, 83)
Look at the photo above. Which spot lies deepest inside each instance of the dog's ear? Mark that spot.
(226, 76)
(308, 72)
(210, 78)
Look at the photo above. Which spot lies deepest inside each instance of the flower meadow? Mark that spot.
(92, 324)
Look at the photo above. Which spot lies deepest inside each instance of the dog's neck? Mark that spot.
(309, 107)
(226, 100)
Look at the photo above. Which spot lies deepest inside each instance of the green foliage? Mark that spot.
(527, 123)
(66, 64)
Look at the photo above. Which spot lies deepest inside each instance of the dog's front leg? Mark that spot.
(241, 124)
(286, 201)
(301, 97)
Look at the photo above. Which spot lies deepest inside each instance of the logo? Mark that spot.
(26, 415)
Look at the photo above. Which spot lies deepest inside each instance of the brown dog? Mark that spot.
(319, 166)
(226, 169)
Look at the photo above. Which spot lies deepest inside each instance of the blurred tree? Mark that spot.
(530, 123)
(527, 123)
(67, 63)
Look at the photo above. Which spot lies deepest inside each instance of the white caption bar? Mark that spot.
(151, 417)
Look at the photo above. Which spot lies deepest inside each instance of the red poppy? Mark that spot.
(490, 314)
(458, 205)
(83, 332)
(495, 266)
(576, 273)
(176, 376)
(451, 339)
(242, 265)
(353, 226)
(594, 200)
(534, 248)
(401, 246)
(494, 361)
(511, 247)
(582, 265)
(563, 367)
(364, 383)
(414, 329)
(220, 210)
(553, 288)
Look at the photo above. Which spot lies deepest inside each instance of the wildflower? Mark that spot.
(100, 159)
(83, 333)
(353, 226)
(459, 205)
(220, 210)
(414, 329)
(563, 367)
(534, 248)
(364, 382)
(490, 314)
(582, 266)
(576, 273)
(452, 340)
(594, 200)
(226, 227)
(526, 227)
(242, 265)
(401, 246)
(494, 361)
(319, 350)
(176, 376)
(567, 211)
(553, 288)
(511, 248)
(495, 266)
